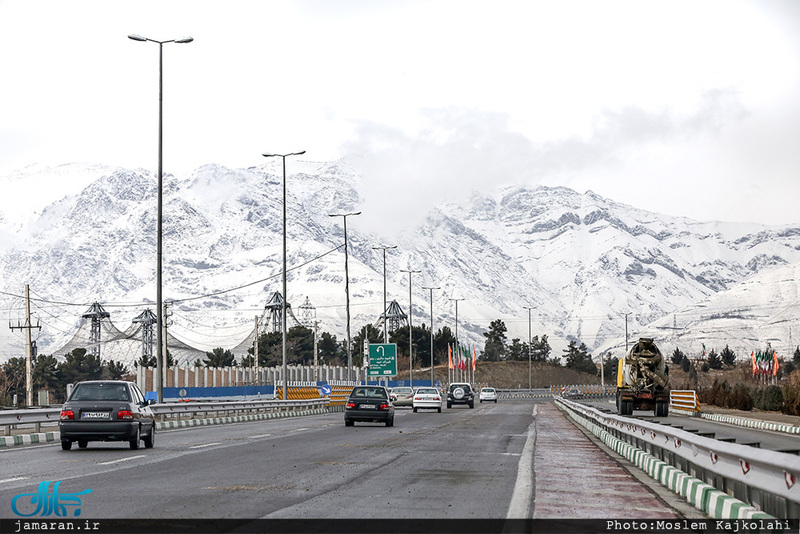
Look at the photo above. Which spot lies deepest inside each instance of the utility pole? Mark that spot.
(255, 346)
(316, 353)
(165, 363)
(28, 346)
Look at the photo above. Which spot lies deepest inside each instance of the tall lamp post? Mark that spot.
(530, 366)
(344, 217)
(456, 301)
(432, 331)
(159, 231)
(384, 249)
(285, 296)
(410, 329)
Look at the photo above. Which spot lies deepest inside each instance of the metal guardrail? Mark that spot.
(177, 410)
(767, 479)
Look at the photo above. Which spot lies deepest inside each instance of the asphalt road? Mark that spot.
(516, 458)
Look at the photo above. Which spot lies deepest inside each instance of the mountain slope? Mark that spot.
(580, 260)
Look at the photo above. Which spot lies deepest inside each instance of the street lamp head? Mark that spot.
(185, 40)
(269, 155)
(137, 37)
(343, 214)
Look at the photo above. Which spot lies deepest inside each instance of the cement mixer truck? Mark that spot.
(642, 380)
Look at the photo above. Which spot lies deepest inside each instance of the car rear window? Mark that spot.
(374, 393)
(100, 392)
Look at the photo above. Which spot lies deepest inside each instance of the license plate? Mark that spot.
(367, 406)
(95, 415)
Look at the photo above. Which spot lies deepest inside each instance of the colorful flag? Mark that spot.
(474, 357)
(450, 356)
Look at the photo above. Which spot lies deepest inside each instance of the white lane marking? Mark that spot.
(520, 505)
(12, 479)
(122, 460)
(206, 445)
(260, 436)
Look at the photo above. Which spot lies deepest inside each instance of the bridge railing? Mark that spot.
(695, 465)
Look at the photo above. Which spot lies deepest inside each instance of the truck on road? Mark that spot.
(642, 378)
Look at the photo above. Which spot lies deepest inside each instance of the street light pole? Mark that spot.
(384, 249)
(432, 331)
(457, 347)
(410, 329)
(344, 217)
(530, 366)
(159, 231)
(285, 296)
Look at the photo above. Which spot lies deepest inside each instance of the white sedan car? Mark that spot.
(429, 398)
(488, 394)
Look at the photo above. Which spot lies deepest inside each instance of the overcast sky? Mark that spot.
(685, 108)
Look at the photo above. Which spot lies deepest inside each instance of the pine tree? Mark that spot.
(495, 346)
(728, 356)
(677, 356)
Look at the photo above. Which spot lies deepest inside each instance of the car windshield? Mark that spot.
(427, 390)
(401, 390)
(374, 393)
(100, 392)
(488, 390)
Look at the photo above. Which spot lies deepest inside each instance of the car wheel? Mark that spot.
(348, 422)
(66, 444)
(390, 422)
(439, 409)
(495, 401)
(471, 404)
(150, 438)
(82, 443)
(449, 404)
(135, 440)
(415, 409)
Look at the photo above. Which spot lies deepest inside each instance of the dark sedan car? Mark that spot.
(106, 410)
(369, 404)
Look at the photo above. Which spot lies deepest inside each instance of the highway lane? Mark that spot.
(461, 463)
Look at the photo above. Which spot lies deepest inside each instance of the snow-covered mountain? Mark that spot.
(582, 262)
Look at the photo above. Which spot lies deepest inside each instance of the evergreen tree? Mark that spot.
(420, 337)
(80, 365)
(728, 356)
(610, 368)
(441, 340)
(686, 364)
(495, 346)
(299, 345)
(714, 361)
(330, 350)
(796, 357)
(219, 357)
(677, 356)
(540, 349)
(45, 375)
(578, 358)
(115, 370)
(144, 361)
(518, 351)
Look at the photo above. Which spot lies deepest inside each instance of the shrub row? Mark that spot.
(785, 399)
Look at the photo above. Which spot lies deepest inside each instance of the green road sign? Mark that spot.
(382, 360)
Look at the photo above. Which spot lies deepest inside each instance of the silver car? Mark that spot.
(106, 410)
(402, 396)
